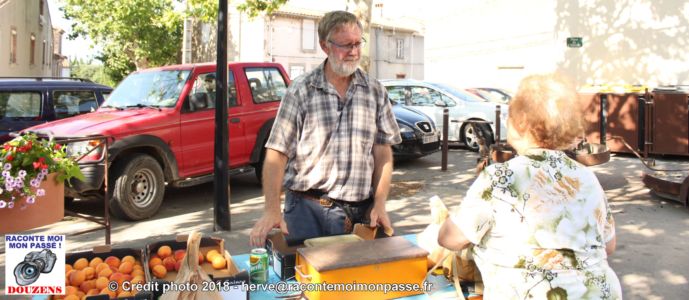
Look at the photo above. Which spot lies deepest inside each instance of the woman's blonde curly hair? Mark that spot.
(547, 108)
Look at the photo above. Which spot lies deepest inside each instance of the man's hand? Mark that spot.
(380, 217)
(268, 221)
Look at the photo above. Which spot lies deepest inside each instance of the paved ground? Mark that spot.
(653, 234)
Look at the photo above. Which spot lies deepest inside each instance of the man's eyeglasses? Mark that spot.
(349, 47)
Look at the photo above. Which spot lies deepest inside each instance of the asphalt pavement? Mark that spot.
(653, 234)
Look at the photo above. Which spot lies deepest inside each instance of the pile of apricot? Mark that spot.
(164, 260)
(86, 278)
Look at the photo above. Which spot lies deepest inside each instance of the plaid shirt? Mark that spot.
(328, 142)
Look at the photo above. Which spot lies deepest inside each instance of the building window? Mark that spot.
(308, 35)
(44, 45)
(32, 49)
(400, 49)
(13, 45)
(295, 71)
(40, 7)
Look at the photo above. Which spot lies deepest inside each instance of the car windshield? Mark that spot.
(458, 93)
(149, 89)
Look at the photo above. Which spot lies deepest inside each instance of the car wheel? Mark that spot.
(470, 136)
(138, 187)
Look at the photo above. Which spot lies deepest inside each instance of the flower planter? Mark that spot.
(47, 209)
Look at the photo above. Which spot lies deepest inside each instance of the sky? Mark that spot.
(79, 48)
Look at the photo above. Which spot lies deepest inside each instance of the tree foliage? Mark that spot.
(133, 33)
(138, 34)
(89, 70)
(255, 7)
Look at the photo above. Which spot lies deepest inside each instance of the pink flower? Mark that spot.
(3, 204)
(40, 192)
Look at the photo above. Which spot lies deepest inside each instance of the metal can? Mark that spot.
(258, 265)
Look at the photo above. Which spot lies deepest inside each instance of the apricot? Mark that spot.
(72, 297)
(124, 294)
(77, 277)
(119, 277)
(138, 272)
(154, 262)
(179, 254)
(102, 282)
(211, 254)
(92, 292)
(68, 275)
(126, 267)
(178, 265)
(81, 263)
(200, 258)
(112, 261)
(139, 279)
(101, 266)
(68, 268)
(159, 271)
(89, 272)
(87, 285)
(164, 251)
(108, 292)
(95, 262)
(70, 290)
(105, 273)
(129, 258)
(169, 263)
(218, 262)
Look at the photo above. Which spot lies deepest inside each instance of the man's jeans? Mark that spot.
(307, 219)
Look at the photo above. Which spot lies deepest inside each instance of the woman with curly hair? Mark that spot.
(540, 223)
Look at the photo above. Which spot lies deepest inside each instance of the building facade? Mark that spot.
(27, 41)
(289, 36)
(497, 43)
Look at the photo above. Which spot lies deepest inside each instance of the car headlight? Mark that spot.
(405, 128)
(89, 149)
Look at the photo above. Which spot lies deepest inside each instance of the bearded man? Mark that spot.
(330, 145)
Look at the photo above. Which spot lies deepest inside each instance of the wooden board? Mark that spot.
(340, 256)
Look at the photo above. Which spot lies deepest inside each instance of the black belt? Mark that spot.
(322, 198)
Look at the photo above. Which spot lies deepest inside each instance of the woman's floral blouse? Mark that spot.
(539, 224)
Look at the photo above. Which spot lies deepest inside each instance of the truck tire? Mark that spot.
(258, 166)
(137, 187)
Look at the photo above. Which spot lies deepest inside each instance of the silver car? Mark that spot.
(432, 98)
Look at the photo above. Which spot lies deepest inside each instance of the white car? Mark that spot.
(432, 98)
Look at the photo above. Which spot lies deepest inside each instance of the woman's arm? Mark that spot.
(611, 245)
(451, 237)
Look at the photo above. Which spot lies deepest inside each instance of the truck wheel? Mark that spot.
(258, 166)
(470, 136)
(137, 187)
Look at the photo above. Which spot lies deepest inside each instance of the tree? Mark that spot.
(137, 34)
(134, 34)
(91, 71)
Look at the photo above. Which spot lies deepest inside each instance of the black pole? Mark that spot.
(446, 118)
(496, 140)
(221, 210)
(603, 117)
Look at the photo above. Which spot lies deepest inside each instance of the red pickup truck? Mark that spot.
(162, 122)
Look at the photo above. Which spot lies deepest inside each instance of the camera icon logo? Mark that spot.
(35, 263)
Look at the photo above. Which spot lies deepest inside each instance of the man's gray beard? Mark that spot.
(342, 69)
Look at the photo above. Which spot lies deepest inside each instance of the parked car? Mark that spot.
(29, 101)
(419, 134)
(494, 95)
(432, 98)
(162, 121)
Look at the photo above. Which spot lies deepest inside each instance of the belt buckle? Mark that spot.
(325, 201)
